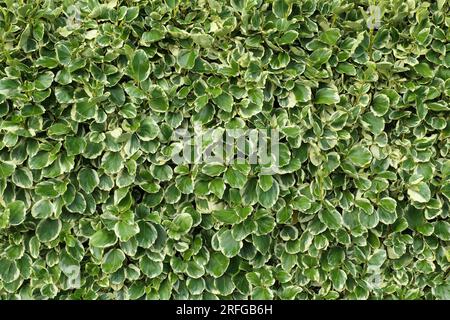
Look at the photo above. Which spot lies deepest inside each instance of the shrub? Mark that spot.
(95, 205)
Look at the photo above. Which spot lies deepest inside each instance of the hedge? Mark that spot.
(93, 204)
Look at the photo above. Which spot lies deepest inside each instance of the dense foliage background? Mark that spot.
(93, 207)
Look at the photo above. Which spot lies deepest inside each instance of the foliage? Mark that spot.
(92, 205)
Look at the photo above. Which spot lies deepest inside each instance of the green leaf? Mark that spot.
(63, 54)
(227, 216)
(331, 218)
(373, 123)
(365, 205)
(17, 212)
(195, 270)
(6, 169)
(256, 96)
(268, 198)
(140, 66)
(217, 265)
(224, 101)
(98, 199)
(117, 95)
(38, 161)
(234, 178)
(42, 209)
(8, 84)
(336, 256)
(224, 285)
(265, 182)
(442, 291)
(148, 130)
(185, 184)
(152, 36)
(132, 13)
(380, 105)
(327, 96)
(83, 110)
(8, 270)
(330, 36)
(338, 278)
(377, 259)
(346, 68)
(47, 62)
(301, 203)
(302, 92)
(288, 37)
(424, 69)
(442, 230)
(388, 204)
(212, 169)
(260, 293)
(419, 192)
(324, 95)
(74, 145)
(162, 172)
(149, 267)
(44, 80)
(249, 193)
(446, 190)
(88, 179)
(48, 230)
(113, 261)
(103, 239)
(112, 162)
(360, 156)
(47, 189)
(228, 246)
(281, 8)
(147, 235)
(78, 205)
(183, 223)
(253, 72)
(217, 187)
(125, 231)
(158, 100)
(186, 58)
